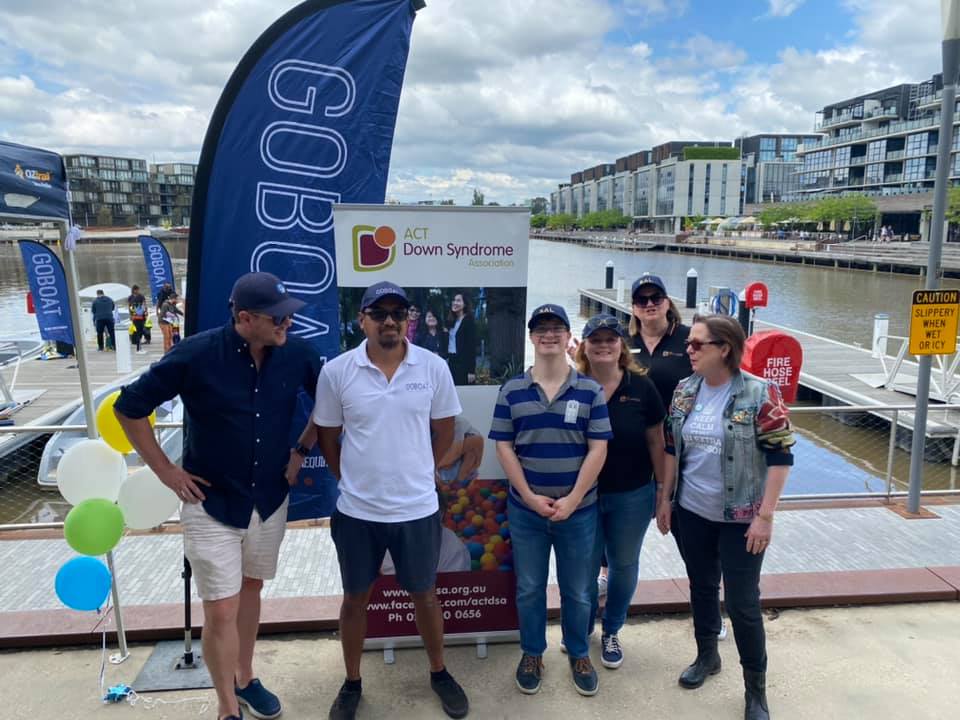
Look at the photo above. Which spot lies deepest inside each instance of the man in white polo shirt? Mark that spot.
(394, 404)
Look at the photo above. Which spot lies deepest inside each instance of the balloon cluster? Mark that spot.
(92, 476)
(476, 510)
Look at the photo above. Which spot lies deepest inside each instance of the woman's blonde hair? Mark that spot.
(626, 361)
(673, 318)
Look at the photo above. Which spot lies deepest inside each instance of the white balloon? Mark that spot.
(146, 502)
(90, 469)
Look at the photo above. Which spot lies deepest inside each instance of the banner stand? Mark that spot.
(91, 416)
(388, 645)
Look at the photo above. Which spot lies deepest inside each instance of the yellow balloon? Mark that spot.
(109, 427)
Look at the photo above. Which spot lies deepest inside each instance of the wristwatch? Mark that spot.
(301, 450)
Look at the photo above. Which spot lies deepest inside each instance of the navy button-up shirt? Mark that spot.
(238, 418)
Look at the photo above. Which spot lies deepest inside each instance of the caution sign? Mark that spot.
(933, 322)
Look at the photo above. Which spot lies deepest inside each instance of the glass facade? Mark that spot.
(873, 173)
(619, 184)
(641, 194)
(666, 182)
(723, 190)
(788, 149)
(768, 149)
(691, 169)
(916, 144)
(706, 190)
(603, 194)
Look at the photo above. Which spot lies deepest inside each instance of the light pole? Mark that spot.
(950, 15)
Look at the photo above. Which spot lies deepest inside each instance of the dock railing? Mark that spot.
(860, 452)
(944, 381)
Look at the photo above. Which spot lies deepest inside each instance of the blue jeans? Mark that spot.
(621, 527)
(572, 541)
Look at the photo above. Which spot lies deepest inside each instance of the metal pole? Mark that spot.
(91, 416)
(891, 449)
(951, 64)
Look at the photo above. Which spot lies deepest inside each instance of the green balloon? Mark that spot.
(94, 526)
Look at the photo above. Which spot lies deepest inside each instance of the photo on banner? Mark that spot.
(464, 271)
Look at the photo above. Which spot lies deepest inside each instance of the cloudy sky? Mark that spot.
(508, 96)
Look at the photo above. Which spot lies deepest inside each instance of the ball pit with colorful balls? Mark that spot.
(476, 510)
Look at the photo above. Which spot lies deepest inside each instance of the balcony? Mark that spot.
(893, 178)
(862, 160)
(897, 128)
(895, 155)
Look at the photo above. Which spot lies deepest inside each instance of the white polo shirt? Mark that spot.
(386, 457)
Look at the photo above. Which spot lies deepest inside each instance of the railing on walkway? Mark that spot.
(862, 450)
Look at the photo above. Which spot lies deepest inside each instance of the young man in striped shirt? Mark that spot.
(551, 428)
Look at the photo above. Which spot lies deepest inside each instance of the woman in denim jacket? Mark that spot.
(731, 434)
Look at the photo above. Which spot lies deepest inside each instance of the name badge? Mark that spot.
(572, 412)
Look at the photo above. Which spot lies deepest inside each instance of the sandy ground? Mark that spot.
(877, 662)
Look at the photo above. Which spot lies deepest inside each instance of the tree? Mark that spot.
(692, 222)
(104, 216)
(538, 206)
(773, 214)
(561, 221)
(477, 197)
(447, 202)
(538, 221)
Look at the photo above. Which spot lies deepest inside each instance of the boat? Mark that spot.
(170, 439)
(13, 351)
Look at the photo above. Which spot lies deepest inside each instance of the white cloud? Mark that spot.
(508, 97)
(784, 8)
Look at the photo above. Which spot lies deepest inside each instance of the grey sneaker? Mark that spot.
(529, 674)
(722, 635)
(584, 676)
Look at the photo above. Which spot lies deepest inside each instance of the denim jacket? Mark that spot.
(756, 435)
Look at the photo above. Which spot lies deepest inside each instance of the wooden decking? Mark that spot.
(841, 373)
(58, 382)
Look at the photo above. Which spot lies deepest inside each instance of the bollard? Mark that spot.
(691, 288)
(743, 313)
(608, 278)
(621, 289)
(123, 351)
(881, 328)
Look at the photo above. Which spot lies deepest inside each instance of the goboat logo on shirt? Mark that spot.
(374, 248)
(418, 386)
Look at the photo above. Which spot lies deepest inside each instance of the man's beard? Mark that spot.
(389, 343)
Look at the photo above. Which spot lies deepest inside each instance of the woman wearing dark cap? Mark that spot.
(728, 444)
(626, 491)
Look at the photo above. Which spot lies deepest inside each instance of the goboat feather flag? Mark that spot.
(159, 265)
(305, 121)
(48, 285)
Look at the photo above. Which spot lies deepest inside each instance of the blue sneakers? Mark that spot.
(611, 652)
(259, 701)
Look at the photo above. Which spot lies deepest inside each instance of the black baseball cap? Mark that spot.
(548, 310)
(648, 279)
(378, 291)
(263, 292)
(602, 322)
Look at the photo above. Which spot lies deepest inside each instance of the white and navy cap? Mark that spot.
(263, 292)
(377, 292)
(548, 310)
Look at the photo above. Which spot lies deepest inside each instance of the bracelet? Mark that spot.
(768, 516)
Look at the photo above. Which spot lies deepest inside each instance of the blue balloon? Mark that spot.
(83, 583)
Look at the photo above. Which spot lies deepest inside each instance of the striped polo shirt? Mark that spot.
(550, 438)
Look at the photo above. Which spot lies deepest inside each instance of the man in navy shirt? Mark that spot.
(239, 386)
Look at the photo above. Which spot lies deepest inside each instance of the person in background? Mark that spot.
(165, 291)
(239, 384)
(102, 310)
(462, 341)
(170, 315)
(432, 336)
(413, 323)
(626, 488)
(551, 429)
(728, 445)
(138, 314)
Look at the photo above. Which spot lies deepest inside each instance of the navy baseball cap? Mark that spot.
(373, 294)
(602, 322)
(648, 279)
(263, 292)
(548, 310)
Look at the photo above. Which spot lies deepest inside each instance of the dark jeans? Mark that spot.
(138, 335)
(105, 324)
(675, 531)
(621, 527)
(709, 548)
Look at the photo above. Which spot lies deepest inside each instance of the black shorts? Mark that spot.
(361, 545)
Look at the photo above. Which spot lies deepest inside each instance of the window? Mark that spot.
(666, 182)
(917, 144)
(875, 150)
(842, 157)
(618, 187)
(874, 173)
(706, 191)
(603, 194)
(913, 169)
(692, 169)
(641, 194)
(955, 166)
(723, 190)
(768, 149)
(788, 148)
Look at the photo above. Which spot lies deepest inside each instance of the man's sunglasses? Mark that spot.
(277, 321)
(378, 315)
(642, 300)
(697, 345)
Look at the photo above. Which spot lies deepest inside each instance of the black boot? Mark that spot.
(707, 663)
(755, 696)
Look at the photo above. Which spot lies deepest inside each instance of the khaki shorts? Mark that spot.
(222, 555)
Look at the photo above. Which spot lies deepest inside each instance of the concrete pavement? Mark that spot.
(876, 662)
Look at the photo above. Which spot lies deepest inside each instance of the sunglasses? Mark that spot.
(277, 321)
(642, 300)
(697, 345)
(378, 315)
